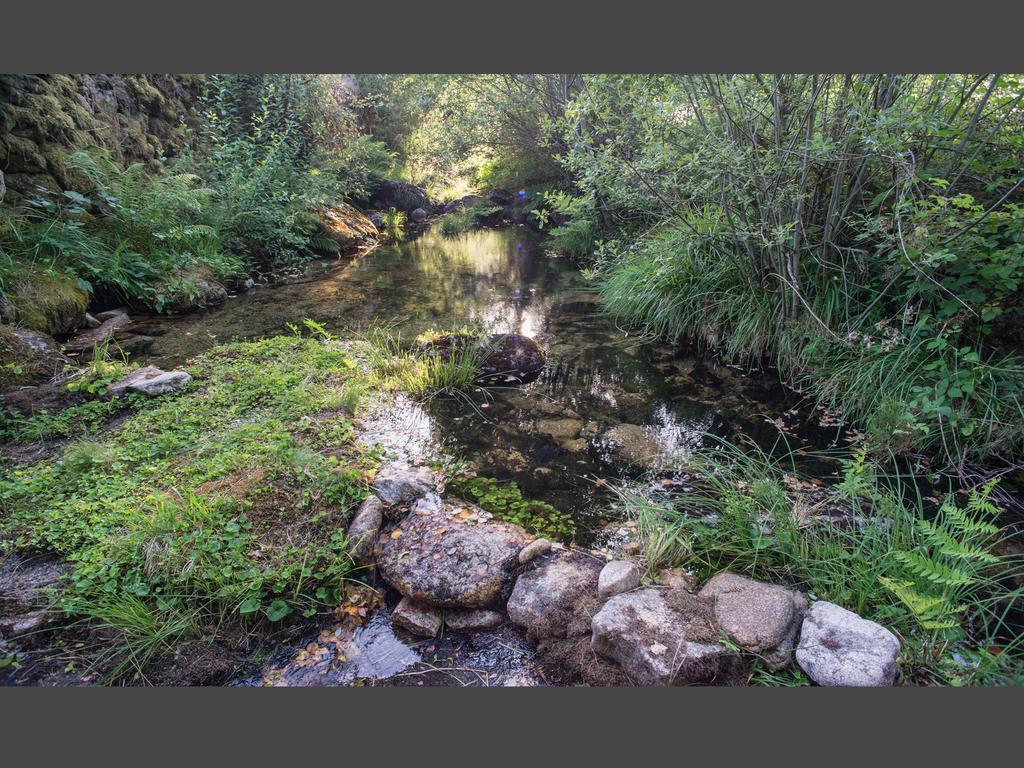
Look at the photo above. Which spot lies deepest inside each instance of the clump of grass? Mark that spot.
(394, 224)
(420, 371)
(466, 218)
(935, 578)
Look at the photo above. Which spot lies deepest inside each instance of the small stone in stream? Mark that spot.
(25, 623)
(658, 641)
(547, 599)
(535, 548)
(618, 576)
(838, 647)
(420, 619)
(102, 316)
(760, 618)
(472, 619)
(363, 530)
(396, 484)
(151, 381)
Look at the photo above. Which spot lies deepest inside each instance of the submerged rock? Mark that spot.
(363, 530)
(396, 484)
(838, 647)
(151, 381)
(546, 599)
(657, 643)
(631, 444)
(760, 618)
(452, 558)
(616, 577)
(420, 619)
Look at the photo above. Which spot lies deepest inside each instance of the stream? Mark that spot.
(545, 436)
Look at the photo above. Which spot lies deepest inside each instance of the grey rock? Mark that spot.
(111, 313)
(838, 647)
(472, 619)
(24, 581)
(618, 576)
(423, 620)
(452, 558)
(546, 599)
(363, 530)
(760, 618)
(396, 484)
(657, 644)
(534, 549)
(90, 322)
(418, 215)
(25, 623)
(3, 186)
(429, 503)
(86, 340)
(151, 381)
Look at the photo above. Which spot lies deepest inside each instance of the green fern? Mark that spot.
(946, 570)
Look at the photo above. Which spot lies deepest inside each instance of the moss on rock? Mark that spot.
(46, 301)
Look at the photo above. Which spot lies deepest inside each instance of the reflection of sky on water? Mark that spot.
(500, 280)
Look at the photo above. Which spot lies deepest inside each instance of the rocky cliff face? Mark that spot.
(43, 118)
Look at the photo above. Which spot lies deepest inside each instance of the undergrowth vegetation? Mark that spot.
(228, 501)
(933, 571)
(864, 233)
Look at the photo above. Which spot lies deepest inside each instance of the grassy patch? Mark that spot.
(225, 501)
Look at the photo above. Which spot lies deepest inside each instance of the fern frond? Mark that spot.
(932, 570)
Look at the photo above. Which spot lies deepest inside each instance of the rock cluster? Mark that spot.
(455, 565)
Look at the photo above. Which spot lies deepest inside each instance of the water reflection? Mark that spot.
(543, 436)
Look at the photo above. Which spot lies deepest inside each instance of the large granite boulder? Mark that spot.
(452, 557)
(838, 647)
(547, 598)
(761, 618)
(346, 226)
(659, 637)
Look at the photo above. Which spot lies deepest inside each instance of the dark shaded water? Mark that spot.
(546, 436)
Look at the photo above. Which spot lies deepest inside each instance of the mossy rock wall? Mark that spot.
(44, 118)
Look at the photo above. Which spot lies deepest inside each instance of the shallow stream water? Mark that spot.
(546, 436)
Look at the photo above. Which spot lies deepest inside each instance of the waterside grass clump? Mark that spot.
(934, 571)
